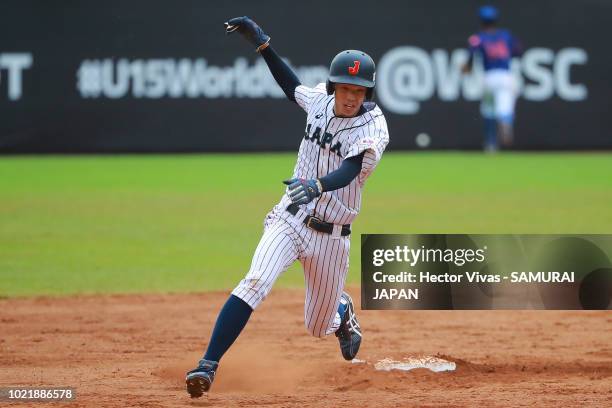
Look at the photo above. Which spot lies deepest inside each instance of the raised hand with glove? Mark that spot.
(249, 30)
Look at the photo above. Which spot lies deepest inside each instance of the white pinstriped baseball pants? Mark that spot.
(324, 259)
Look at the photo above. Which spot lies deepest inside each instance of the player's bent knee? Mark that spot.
(252, 290)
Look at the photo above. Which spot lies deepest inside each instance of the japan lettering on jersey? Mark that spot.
(328, 140)
(496, 48)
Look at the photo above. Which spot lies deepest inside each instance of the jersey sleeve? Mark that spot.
(371, 139)
(307, 97)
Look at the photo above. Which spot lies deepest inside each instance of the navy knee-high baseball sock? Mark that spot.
(490, 128)
(231, 320)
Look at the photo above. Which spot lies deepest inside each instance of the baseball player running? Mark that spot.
(344, 139)
(495, 47)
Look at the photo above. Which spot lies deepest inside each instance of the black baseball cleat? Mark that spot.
(349, 332)
(200, 378)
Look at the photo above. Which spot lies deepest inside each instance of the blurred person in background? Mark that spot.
(495, 47)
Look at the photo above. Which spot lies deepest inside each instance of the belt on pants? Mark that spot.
(318, 224)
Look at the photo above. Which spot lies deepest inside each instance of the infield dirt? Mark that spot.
(133, 350)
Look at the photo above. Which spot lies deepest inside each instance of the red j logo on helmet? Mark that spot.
(354, 70)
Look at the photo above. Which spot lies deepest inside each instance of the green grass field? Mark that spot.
(97, 224)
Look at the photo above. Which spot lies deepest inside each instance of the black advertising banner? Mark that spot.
(460, 271)
(154, 76)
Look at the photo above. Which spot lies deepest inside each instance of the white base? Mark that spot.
(434, 364)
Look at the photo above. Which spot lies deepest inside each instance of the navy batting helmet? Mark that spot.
(488, 14)
(352, 67)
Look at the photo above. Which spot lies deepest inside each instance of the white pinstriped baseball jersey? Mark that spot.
(327, 141)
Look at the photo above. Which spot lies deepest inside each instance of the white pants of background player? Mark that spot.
(499, 97)
(324, 258)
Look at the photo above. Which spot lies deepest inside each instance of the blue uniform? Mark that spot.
(496, 48)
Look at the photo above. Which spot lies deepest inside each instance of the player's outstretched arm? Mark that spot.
(474, 44)
(283, 74)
